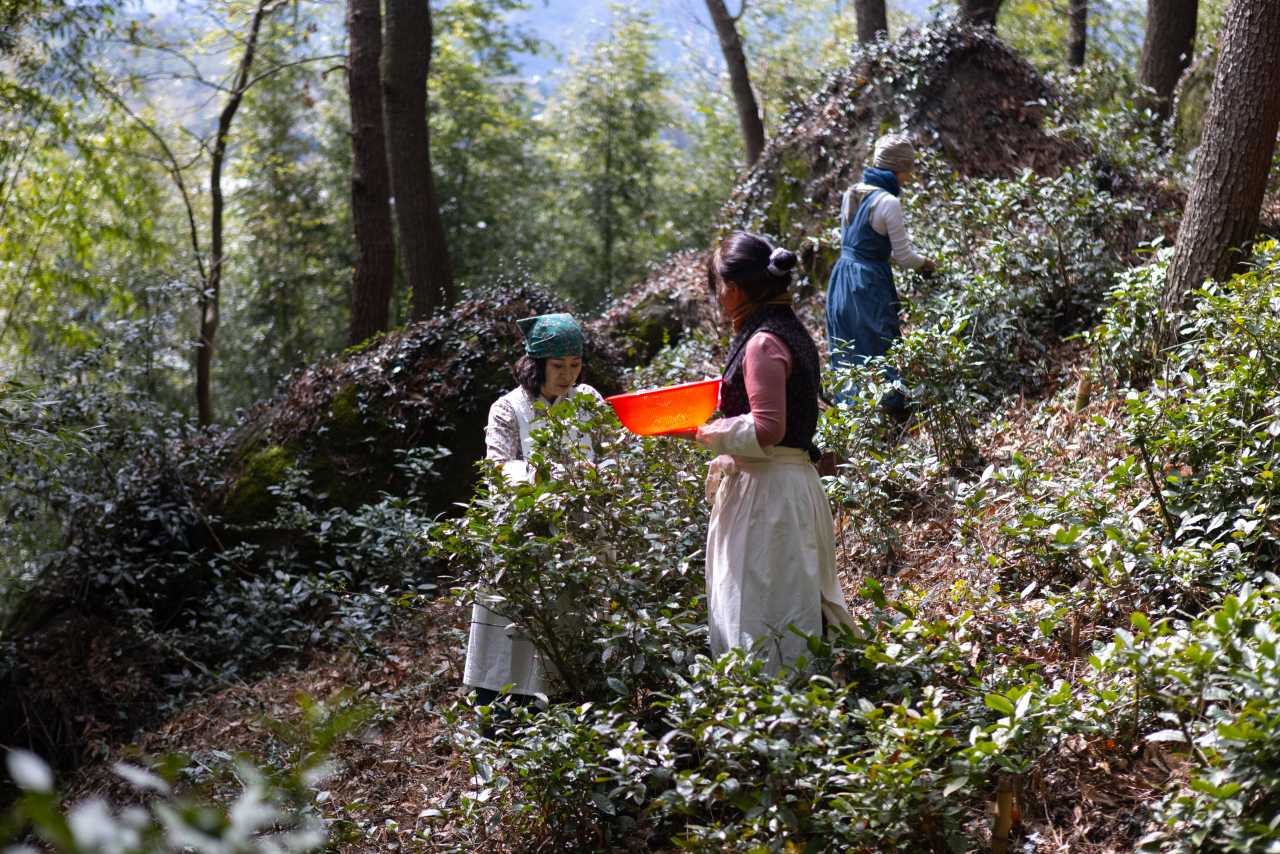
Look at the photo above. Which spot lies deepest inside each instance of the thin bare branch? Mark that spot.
(264, 75)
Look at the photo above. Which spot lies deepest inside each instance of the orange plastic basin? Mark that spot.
(664, 410)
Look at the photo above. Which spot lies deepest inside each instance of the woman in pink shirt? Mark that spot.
(771, 543)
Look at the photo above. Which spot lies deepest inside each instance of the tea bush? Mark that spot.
(893, 752)
(1021, 260)
(1213, 694)
(1183, 523)
(596, 561)
(1124, 341)
(876, 471)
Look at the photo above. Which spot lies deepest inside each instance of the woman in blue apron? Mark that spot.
(862, 302)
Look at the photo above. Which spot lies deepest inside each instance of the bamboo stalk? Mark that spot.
(1084, 391)
(1004, 816)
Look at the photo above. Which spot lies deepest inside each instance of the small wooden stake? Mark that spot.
(1075, 636)
(1004, 816)
(1019, 796)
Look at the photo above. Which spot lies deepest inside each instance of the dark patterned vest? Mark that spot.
(802, 386)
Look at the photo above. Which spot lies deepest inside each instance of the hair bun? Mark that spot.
(781, 261)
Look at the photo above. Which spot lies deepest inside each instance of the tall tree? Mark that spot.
(209, 300)
(980, 12)
(608, 115)
(1235, 155)
(1077, 33)
(1167, 44)
(489, 174)
(424, 249)
(873, 19)
(736, 61)
(370, 178)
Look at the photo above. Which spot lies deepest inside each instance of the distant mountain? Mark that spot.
(570, 24)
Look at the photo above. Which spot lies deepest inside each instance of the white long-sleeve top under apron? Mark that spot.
(885, 218)
(771, 549)
(497, 654)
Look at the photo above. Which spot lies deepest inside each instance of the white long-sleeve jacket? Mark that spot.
(886, 218)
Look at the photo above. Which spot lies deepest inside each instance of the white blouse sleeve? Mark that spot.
(886, 218)
(502, 442)
(502, 433)
(735, 436)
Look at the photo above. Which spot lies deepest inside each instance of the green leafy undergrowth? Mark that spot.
(1022, 261)
(234, 807)
(896, 750)
(1211, 691)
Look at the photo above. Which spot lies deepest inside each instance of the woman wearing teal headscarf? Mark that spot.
(862, 301)
(497, 656)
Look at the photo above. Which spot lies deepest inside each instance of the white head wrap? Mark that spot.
(894, 152)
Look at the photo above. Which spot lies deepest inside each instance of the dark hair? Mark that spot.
(750, 261)
(530, 373)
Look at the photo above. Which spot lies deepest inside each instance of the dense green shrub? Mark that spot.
(892, 752)
(1124, 341)
(1021, 260)
(597, 565)
(597, 562)
(1211, 430)
(1184, 523)
(1212, 687)
(876, 471)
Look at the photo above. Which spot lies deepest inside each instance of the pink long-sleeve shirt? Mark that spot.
(766, 368)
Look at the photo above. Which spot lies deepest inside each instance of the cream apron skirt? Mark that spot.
(771, 556)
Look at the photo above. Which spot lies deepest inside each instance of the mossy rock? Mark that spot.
(251, 499)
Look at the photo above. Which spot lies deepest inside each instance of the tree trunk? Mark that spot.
(980, 12)
(1167, 44)
(209, 300)
(424, 248)
(872, 19)
(1078, 33)
(370, 178)
(1239, 140)
(736, 62)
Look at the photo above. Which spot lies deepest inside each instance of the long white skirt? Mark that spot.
(498, 656)
(771, 556)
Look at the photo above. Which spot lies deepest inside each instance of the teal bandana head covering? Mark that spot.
(551, 336)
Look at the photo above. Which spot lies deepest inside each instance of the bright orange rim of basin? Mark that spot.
(665, 410)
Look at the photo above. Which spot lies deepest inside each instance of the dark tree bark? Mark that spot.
(1078, 33)
(1167, 44)
(370, 177)
(1234, 159)
(980, 12)
(424, 247)
(872, 19)
(736, 62)
(209, 300)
